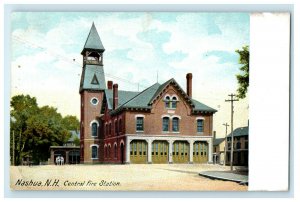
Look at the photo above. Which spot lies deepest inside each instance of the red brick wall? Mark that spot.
(153, 120)
(115, 136)
(89, 112)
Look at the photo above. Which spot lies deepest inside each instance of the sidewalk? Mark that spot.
(226, 175)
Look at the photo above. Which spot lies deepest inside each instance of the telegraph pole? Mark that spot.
(225, 148)
(13, 161)
(231, 150)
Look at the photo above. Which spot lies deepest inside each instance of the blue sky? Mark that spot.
(138, 45)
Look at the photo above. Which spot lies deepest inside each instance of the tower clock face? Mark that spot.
(94, 101)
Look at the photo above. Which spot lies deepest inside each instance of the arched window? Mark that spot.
(94, 152)
(165, 125)
(174, 102)
(167, 102)
(175, 124)
(116, 127)
(115, 152)
(94, 129)
(200, 125)
(108, 154)
(120, 125)
(109, 130)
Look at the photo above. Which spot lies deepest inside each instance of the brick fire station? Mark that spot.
(162, 124)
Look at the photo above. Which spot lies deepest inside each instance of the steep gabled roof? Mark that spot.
(242, 131)
(93, 41)
(165, 85)
(202, 107)
(123, 97)
(217, 141)
(143, 100)
(92, 78)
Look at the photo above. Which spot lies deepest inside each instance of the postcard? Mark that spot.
(148, 101)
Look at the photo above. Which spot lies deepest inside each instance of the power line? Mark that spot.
(231, 150)
(65, 59)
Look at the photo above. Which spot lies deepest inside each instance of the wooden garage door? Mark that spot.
(180, 152)
(160, 150)
(200, 152)
(138, 151)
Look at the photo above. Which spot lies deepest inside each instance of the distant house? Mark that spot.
(69, 150)
(219, 146)
(240, 147)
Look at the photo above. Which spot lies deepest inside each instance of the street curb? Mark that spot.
(223, 178)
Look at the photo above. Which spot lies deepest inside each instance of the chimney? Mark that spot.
(109, 85)
(115, 96)
(189, 77)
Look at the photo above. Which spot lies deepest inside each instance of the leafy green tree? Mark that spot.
(243, 78)
(22, 108)
(71, 123)
(77, 141)
(35, 129)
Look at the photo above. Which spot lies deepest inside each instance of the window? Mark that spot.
(94, 152)
(174, 103)
(246, 145)
(238, 145)
(109, 130)
(134, 147)
(94, 129)
(166, 124)
(141, 148)
(108, 153)
(116, 127)
(139, 123)
(120, 125)
(175, 124)
(115, 152)
(199, 125)
(201, 151)
(167, 102)
(153, 149)
(94, 101)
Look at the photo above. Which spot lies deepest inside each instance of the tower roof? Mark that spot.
(93, 41)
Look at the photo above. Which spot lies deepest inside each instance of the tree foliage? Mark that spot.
(243, 78)
(35, 128)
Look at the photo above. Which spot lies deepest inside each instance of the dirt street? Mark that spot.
(134, 177)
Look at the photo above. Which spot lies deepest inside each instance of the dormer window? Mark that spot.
(171, 101)
(167, 101)
(174, 102)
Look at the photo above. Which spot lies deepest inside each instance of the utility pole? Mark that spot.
(225, 148)
(13, 149)
(231, 150)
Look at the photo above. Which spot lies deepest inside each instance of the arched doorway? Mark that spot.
(122, 153)
(160, 151)
(74, 157)
(59, 153)
(138, 151)
(200, 152)
(181, 152)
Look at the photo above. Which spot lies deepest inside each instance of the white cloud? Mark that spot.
(51, 75)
